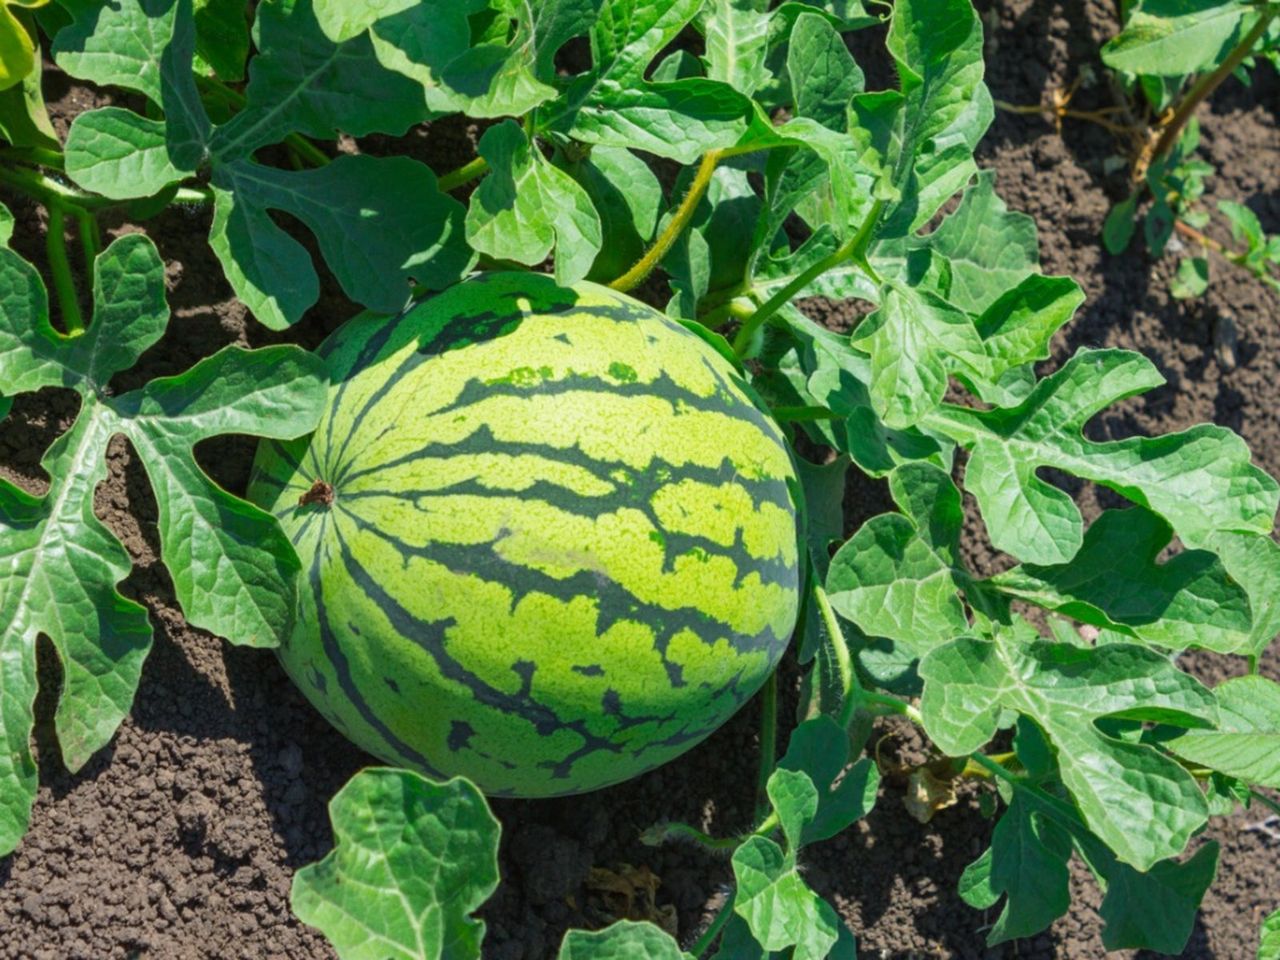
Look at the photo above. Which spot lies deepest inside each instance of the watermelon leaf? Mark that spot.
(1269, 947)
(1246, 743)
(1115, 582)
(926, 133)
(623, 940)
(820, 749)
(773, 900)
(737, 38)
(898, 576)
(233, 569)
(1201, 480)
(778, 906)
(973, 684)
(526, 208)
(1027, 865)
(380, 222)
(411, 860)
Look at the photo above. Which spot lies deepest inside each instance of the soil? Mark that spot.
(180, 838)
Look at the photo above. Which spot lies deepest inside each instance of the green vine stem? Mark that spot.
(464, 174)
(49, 190)
(854, 249)
(768, 741)
(35, 156)
(679, 220)
(90, 241)
(804, 414)
(1203, 87)
(855, 696)
(708, 938)
(660, 833)
(60, 269)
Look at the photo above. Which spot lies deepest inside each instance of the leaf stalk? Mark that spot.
(708, 938)
(854, 249)
(60, 270)
(464, 174)
(1172, 129)
(679, 220)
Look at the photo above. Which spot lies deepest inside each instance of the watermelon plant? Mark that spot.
(1171, 57)
(519, 532)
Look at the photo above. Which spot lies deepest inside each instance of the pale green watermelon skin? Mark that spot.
(562, 543)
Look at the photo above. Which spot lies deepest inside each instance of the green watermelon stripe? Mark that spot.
(265, 473)
(675, 543)
(762, 490)
(342, 670)
(429, 635)
(614, 602)
(723, 401)
(459, 331)
(367, 353)
(300, 534)
(662, 388)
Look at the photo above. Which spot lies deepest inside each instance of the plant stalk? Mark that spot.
(708, 938)
(36, 156)
(854, 695)
(679, 220)
(804, 414)
(1203, 87)
(690, 832)
(60, 269)
(854, 249)
(49, 191)
(90, 241)
(1191, 233)
(464, 174)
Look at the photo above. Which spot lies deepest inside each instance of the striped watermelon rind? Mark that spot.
(561, 544)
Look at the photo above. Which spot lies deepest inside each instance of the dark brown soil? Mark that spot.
(179, 840)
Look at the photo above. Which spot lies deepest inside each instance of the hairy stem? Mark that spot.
(1203, 87)
(675, 226)
(60, 269)
(740, 308)
(708, 938)
(656, 835)
(854, 249)
(768, 741)
(464, 174)
(854, 695)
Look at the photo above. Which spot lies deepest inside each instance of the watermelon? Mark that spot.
(548, 537)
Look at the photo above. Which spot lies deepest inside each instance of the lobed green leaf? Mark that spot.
(1141, 803)
(232, 567)
(411, 860)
